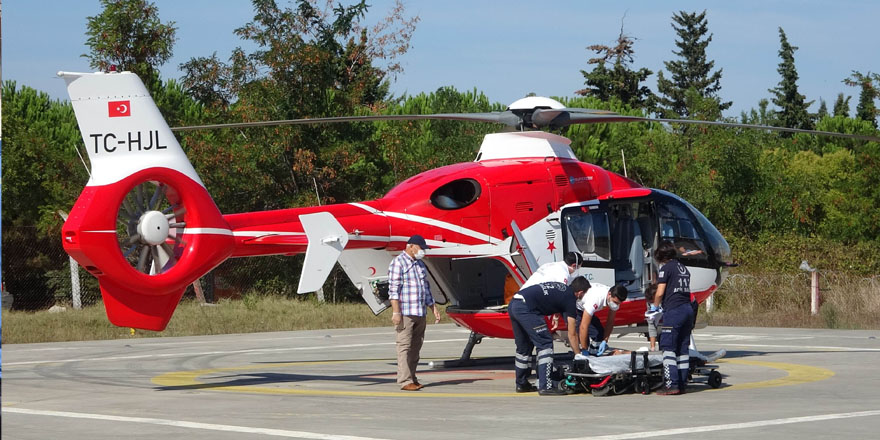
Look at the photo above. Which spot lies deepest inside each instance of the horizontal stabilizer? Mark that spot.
(327, 239)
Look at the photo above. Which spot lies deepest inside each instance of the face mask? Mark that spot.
(613, 305)
(420, 254)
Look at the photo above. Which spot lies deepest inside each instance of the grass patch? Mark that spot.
(745, 300)
(780, 300)
(253, 313)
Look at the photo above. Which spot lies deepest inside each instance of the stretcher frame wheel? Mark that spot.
(714, 379)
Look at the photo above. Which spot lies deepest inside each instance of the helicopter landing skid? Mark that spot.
(466, 361)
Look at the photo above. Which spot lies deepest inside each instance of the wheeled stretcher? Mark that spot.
(639, 372)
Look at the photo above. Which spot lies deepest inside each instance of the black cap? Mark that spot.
(419, 240)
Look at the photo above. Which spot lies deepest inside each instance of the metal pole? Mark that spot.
(814, 292)
(74, 284)
(709, 302)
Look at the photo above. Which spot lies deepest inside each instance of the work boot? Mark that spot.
(669, 392)
(410, 387)
(527, 388)
(552, 392)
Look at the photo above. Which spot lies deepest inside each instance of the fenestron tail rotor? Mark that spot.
(150, 224)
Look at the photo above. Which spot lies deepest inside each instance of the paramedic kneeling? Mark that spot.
(527, 311)
(674, 294)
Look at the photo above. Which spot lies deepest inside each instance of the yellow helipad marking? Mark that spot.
(190, 379)
(796, 374)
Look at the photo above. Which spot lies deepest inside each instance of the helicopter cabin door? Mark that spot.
(520, 254)
(615, 238)
(585, 230)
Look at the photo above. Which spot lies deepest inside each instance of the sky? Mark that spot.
(505, 49)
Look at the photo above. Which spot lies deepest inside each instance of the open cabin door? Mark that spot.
(368, 271)
(520, 254)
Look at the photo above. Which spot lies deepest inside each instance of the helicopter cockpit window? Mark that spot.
(677, 225)
(456, 194)
(587, 233)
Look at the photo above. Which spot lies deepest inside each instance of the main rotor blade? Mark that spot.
(506, 118)
(561, 118)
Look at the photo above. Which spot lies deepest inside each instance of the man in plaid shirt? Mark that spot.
(410, 295)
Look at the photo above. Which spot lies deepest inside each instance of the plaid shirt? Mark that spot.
(408, 283)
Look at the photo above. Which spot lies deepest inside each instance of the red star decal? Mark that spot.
(550, 246)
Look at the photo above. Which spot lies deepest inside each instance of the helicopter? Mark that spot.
(146, 227)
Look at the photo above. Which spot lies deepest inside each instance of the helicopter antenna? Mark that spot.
(624, 163)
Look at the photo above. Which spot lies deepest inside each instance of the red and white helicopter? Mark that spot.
(146, 227)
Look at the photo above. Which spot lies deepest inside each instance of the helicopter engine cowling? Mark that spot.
(146, 238)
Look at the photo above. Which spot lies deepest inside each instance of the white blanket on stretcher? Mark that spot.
(620, 363)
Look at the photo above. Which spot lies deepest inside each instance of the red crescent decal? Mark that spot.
(372, 270)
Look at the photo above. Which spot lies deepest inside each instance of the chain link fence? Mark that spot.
(37, 275)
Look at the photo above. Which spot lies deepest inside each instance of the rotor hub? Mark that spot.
(153, 227)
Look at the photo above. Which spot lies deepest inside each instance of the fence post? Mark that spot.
(709, 302)
(814, 292)
(74, 284)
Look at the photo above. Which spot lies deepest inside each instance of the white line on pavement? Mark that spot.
(207, 353)
(729, 426)
(190, 425)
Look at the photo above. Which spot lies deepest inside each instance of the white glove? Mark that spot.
(579, 357)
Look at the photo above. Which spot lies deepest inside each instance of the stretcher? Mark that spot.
(637, 371)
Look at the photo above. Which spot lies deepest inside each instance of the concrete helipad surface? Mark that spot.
(778, 383)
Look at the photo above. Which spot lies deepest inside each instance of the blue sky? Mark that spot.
(509, 48)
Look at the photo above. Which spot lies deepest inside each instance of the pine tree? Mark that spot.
(841, 106)
(129, 35)
(792, 111)
(866, 110)
(692, 70)
(620, 82)
(823, 110)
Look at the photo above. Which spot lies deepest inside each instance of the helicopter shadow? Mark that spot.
(368, 379)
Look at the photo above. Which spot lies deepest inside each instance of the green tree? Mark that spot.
(693, 70)
(620, 82)
(841, 105)
(792, 111)
(129, 35)
(42, 173)
(866, 110)
(307, 63)
(823, 110)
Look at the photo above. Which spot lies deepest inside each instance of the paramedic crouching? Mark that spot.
(527, 311)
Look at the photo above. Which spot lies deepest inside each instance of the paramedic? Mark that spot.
(527, 311)
(674, 299)
(597, 298)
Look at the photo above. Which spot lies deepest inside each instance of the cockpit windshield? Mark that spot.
(677, 224)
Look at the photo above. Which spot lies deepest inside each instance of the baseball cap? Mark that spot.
(419, 240)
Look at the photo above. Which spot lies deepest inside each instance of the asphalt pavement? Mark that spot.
(327, 384)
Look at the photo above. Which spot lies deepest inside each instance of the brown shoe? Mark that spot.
(411, 387)
(419, 385)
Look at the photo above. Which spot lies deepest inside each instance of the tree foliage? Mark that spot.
(792, 111)
(619, 82)
(693, 70)
(312, 61)
(129, 35)
(869, 84)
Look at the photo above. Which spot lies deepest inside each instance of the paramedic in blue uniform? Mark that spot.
(527, 310)
(674, 299)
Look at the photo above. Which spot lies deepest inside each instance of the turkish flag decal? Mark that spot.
(119, 108)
